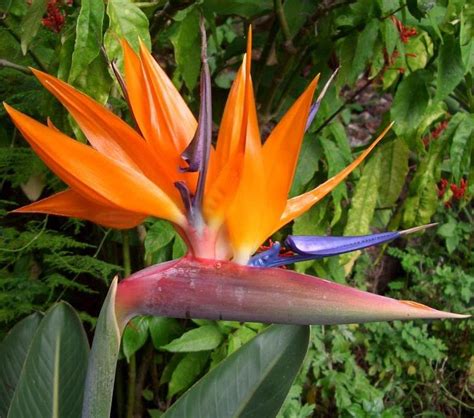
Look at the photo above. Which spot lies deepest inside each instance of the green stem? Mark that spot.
(132, 376)
(277, 4)
(127, 268)
(132, 365)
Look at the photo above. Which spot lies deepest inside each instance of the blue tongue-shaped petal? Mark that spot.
(312, 247)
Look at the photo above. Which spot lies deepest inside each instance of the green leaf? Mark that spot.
(203, 338)
(336, 162)
(163, 330)
(467, 38)
(32, 22)
(186, 372)
(88, 36)
(461, 146)
(252, 382)
(363, 205)
(135, 336)
(102, 363)
(126, 20)
(450, 67)
(422, 201)
(307, 165)
(393, 171)
(186, 43)
(239, 338)
(364, 49)
(52, 379)
(410, 102)
(297, 12)
(158, 236)
(244, 8)
(13, 351)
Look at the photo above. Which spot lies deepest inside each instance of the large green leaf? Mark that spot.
(126, 20)
(410, 102)
(203, 338)
(135, 336)
(393, 171)
(364, 49)
(52, 379)
(245, 8)
(88, 36)
(189, 368)
(186, 43)
(31, 23)
(363, 205)
(13, 351)
(461, 146)
(98, 389)
(252, 382)
(450, 67)
(422, 201)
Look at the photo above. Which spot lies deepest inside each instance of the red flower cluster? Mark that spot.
(405, 32)
(457, 191)
(436, 132)
(55, 17)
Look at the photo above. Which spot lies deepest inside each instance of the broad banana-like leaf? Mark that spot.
(51, 382)
(13, 351)
(252, 382)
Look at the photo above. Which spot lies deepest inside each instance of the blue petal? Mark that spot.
(315, 106)
(312, 247)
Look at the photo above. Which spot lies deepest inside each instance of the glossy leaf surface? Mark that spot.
(252, 382)
(13, 351)
(52, 380)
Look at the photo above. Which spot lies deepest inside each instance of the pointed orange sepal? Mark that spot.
(228, 160)
(300, 204)
(94, 175)
(282, 148)
(71, 203)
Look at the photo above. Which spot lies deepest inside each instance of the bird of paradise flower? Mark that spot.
(224, 201)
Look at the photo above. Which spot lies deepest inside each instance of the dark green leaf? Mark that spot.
(203, 338)
(135, 336)
(163, 330)
(450, 67)
(13, 351)
(252, 382)
(245, 8)
(52, 380)
(410, 102)
(186, 43)
(31, 23)
(186, 372)
(364, 49)
(88, 36)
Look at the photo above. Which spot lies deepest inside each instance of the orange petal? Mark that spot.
(72, 204)
(109, 134)
(300, 204)
(248, 222)
(228, 160)
(94, 175)
(282, 148)
(172, 117)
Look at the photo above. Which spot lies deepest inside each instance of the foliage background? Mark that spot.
(410, 62)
